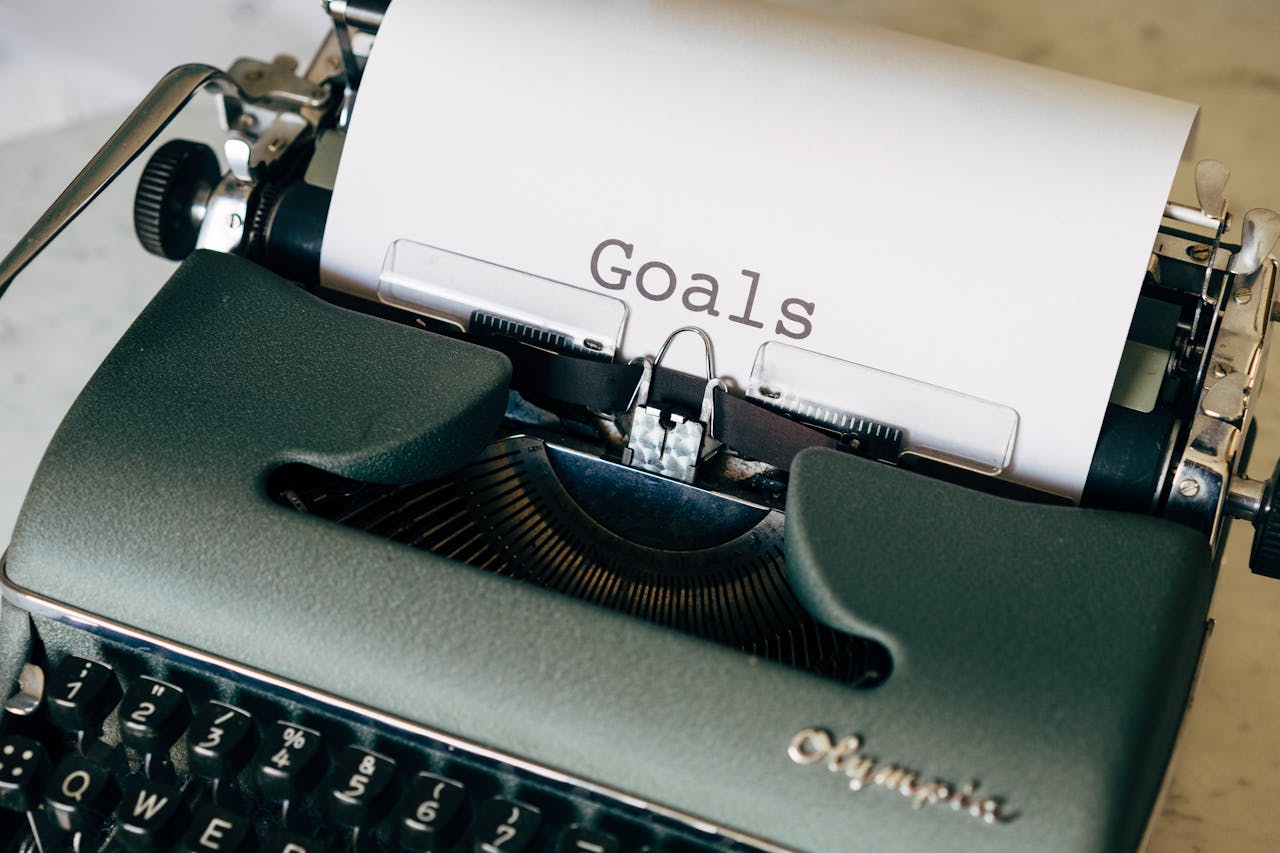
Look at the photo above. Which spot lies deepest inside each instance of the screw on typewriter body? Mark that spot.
(664, 442)
(1199, 252)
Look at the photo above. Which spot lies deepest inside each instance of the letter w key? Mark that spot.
(149, 813)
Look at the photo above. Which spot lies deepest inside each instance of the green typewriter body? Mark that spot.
(298, 573)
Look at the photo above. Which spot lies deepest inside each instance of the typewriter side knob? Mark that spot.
(171, 193)
(1259, 502)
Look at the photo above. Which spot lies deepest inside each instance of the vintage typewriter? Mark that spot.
(302, 571)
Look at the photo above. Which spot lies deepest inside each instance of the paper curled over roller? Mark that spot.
(771, 174)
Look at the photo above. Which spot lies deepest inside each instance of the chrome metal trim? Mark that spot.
(1190, 215)
(38, 605)
(143, 125)
(30, 693)
(1208, 462)
(1258, 236)
(1196, 252)
(1211, 186)
(364, 16)
(1244, 497)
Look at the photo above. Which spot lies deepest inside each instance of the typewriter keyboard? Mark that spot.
(132, 749)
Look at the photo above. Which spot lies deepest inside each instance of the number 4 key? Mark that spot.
(288, 761)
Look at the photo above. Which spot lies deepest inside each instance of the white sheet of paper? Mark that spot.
(966, 221)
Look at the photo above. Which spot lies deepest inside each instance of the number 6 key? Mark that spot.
(432, 814)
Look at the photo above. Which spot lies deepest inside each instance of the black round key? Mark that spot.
(360, 786)
(152, 715)
(80, 795)
(505, 826)
(80, 694)
(23, 766)
(579, 839)
(220, 739)
(288, 761)
(217, 829)
(149, 817)
(292, 842)
(432, 814)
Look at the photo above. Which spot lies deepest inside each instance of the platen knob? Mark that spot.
(173, 185)
(1264, 559)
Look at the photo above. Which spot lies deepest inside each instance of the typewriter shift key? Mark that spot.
(152, 715)
(80, 694)
(505, 826)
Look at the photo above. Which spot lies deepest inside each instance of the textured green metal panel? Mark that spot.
(1044, 652)
(1058, 642)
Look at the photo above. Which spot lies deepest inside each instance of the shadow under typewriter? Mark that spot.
(694, 560)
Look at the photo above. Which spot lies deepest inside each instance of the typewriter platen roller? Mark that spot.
(354, 527)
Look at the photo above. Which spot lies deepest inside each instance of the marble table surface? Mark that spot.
(74, 302)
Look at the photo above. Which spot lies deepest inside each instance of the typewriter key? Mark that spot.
(81, 694)
(220, 739)
(578, 839)
(214, 829)
(149, 815)
(80, 795)
(22, 770)
(288, 761)
(152, 715)
(292, 842)
(361, 785)
(505, 826)
(432, 814)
